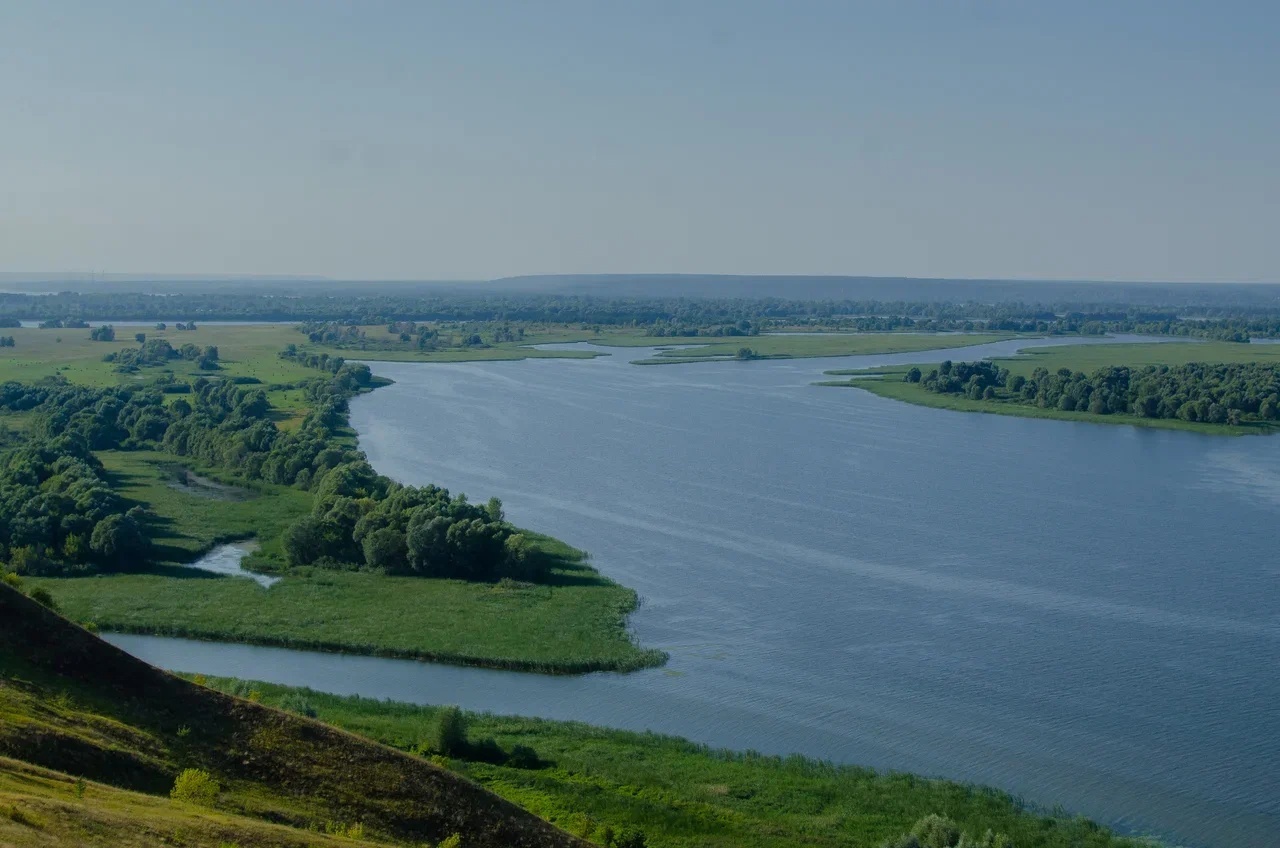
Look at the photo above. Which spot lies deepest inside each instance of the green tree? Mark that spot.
(386, 549)
(304, 541)
(117, 540)
(451, 733)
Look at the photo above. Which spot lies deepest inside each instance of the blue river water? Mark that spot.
(1076, 613)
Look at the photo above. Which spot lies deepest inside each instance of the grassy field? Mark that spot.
(91, 741)
(794, 345)
(684, 795)
(888, 382)
(190, 518)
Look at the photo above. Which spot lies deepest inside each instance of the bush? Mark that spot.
(936, 831)
(41, 596)
(195, 786)
(296, 703)
(451, 733)
(629, 838)
(523, 757)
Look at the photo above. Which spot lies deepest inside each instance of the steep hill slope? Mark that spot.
(71, 703)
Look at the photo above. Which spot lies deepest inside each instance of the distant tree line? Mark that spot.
(657, 316)
(1211, 393)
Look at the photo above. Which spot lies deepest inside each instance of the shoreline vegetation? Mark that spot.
(1237, 375)
(241, 442)
(680, 793)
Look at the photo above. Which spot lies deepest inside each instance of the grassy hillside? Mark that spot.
(72, 706)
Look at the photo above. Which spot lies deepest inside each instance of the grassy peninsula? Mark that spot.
(273, 428)
(897, 382)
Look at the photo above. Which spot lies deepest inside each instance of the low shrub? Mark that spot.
(195, 786)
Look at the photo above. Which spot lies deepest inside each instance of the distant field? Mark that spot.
(888, 382)
(794, 345)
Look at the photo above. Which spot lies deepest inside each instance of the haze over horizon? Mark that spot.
(980, 140)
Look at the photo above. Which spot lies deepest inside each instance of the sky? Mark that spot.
(1124, 140)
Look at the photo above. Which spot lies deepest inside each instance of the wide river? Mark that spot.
(1080, 614)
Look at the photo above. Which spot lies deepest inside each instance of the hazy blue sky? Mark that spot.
(1119, 140)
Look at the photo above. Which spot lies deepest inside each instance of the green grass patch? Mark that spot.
(196, 508)
(683, 794)
(574, 623)
(795, 345)
(888, 381)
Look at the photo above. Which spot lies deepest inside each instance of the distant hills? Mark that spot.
(680, 285)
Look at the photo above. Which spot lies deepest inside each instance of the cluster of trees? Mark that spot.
(360, 520)
(425, 337)
(365, 521)
(63, 323)
(155, 352)
(222, 424)
(58, 515)
(1199, 392)
(7, 341)
(105, 333)
(332, 364)
(405, 333)
(667, 329)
